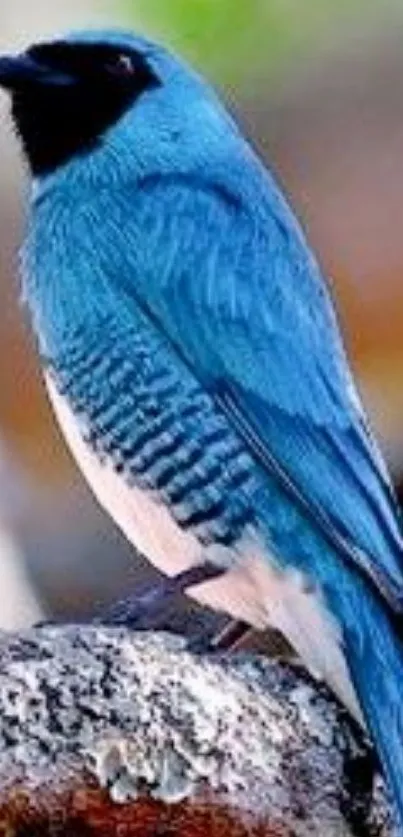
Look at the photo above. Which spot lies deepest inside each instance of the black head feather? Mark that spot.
(65, 95)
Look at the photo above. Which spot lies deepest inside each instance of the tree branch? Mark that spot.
(103, 732)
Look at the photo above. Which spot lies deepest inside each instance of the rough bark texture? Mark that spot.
(103, 732)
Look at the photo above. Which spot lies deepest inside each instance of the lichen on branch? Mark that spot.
(106, 732)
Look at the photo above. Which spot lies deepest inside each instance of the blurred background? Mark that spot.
(317, 85)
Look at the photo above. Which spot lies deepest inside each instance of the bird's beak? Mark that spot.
(17, 71)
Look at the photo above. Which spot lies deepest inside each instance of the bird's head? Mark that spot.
(89, 93)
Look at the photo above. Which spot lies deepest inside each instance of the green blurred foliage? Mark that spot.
(232, 38)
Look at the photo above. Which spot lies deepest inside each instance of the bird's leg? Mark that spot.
(142, 610)
(231, 637)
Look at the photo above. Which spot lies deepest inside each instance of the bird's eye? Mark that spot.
(122, 65)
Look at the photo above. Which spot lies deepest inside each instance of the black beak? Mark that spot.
(17, 71)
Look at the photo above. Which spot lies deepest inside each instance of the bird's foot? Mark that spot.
(229, 638)
(142, 610)
(45, 623)
(232, 636)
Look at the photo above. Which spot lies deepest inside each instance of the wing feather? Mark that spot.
(238, 292)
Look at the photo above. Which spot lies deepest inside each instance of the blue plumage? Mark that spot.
(141, 409)
(186, 323)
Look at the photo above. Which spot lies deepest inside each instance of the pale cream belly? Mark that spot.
(252, 590)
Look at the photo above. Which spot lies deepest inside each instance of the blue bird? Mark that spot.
(194, 361)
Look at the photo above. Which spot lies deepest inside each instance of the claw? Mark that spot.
(141, 610)
(231, 637)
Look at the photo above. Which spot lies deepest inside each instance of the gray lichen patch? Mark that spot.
(141, 714)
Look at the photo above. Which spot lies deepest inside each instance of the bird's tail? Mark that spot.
(371, 631)
(374, 650)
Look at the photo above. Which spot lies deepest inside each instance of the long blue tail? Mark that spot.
(372, 635)
(374, 650)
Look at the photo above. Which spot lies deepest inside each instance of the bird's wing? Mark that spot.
(241, 296)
